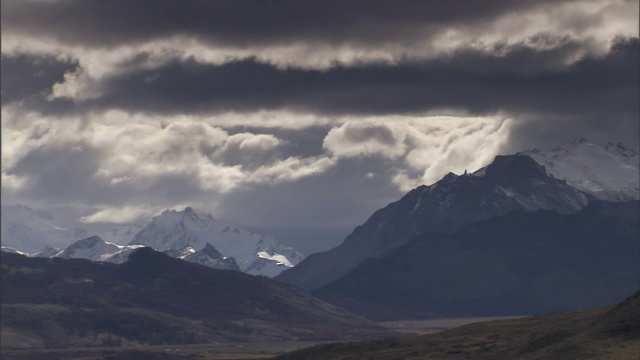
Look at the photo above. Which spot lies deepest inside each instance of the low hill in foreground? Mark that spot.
(156, 299)
(597, 334)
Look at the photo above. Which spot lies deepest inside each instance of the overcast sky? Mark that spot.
(296, 117)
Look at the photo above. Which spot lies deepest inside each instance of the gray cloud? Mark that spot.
(29, 79)
(522, 80)
(247, 22)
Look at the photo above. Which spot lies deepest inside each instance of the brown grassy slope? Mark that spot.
(155, 299)
(597, 334)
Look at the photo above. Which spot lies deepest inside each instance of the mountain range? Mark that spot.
(185, 234)
(31, 231)
(520, 263)
(401, 257)
(254, 253)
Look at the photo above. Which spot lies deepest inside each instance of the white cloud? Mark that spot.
(137, 153)
(248, 141)
(291, 169)
(366, 137)
(426, 148)
(444, 144)
(120, 215)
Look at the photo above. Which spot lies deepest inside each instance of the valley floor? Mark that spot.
(230, 351)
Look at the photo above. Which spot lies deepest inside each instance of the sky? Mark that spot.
(296, 118)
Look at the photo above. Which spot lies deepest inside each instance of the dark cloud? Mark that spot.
(379, 134)
(521, 81)
(29, 79)
(598, 100)
(305, 142)
(247, 22)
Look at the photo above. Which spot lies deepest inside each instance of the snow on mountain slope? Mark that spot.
(11, 250)
(177, 230)
(608, 173)
(31, 231)
(212, 258)
(94, 248)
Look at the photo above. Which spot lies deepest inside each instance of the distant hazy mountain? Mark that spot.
(509, 183)
(120, 234)
(36, 233)
(11, 250)
(608, 173)
(517, 264)
(208, 256)
(254, 253)
(31, 231)
(94, 248)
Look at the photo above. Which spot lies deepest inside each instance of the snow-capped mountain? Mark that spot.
(254, 253)
(94, 248)
(121, 234)
(608, 173)
(47, 252)
(185, 235)
(31, 231)
(208, 256)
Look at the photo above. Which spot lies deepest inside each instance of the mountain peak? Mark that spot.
(620, 149)
(449, 177)
(177, 230)
(511, 182)
(211, 251)
(88, 242)
(608, 173)
(509, 166)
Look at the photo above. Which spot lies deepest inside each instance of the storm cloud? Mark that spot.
(241, 23)
(519, 80)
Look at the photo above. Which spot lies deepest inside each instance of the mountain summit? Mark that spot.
(608, 173)
(254, 253)
(513, 182)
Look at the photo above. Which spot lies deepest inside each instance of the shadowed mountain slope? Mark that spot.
(517, 264)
